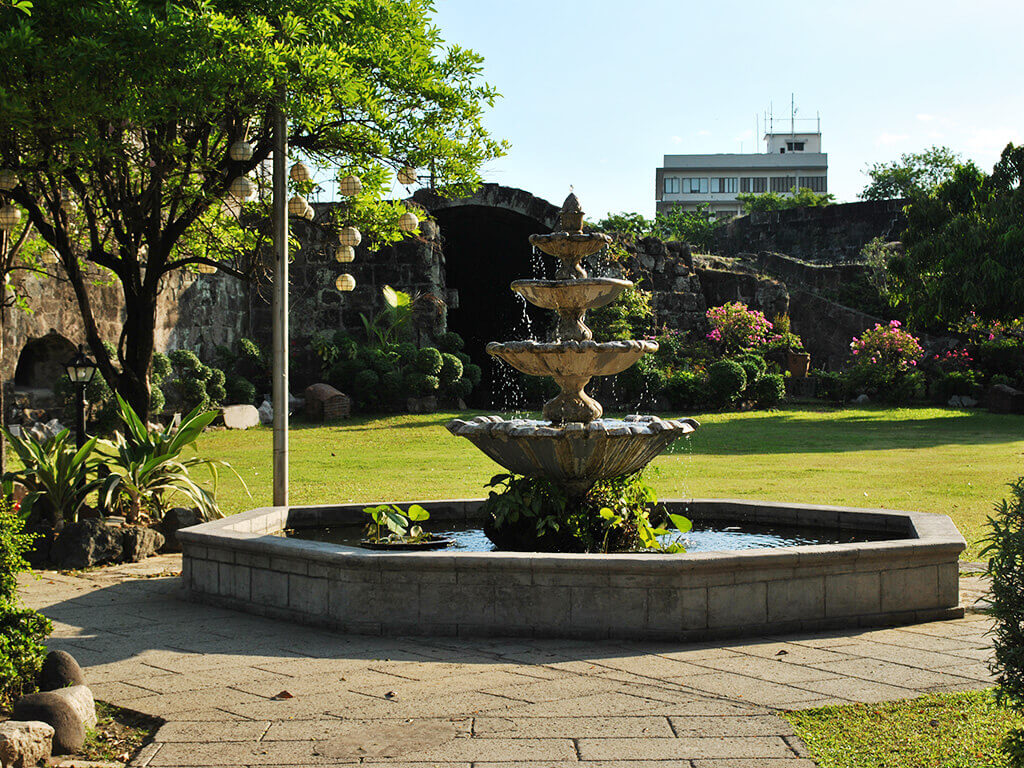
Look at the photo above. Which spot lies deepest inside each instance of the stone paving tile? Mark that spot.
(751, 689)
(640, 726)
(743, 725)
(199, 731)
(331, 728)
(890, 673)
(770, 669)
(683, 748)
(850, 690)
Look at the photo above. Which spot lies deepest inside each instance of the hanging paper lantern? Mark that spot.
(408, 222)
(240, 151)
(300, 172)
(350, 236)
(407, 175)
(345, 253)
(345, 282)
(8, 179)
(242, 189)
(297, 206)
(350, 185)
(9, 217)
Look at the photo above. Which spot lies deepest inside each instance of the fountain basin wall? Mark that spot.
(239, 562)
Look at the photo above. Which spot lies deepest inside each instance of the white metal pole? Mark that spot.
(279, 308)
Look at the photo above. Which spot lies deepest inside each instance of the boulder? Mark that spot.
(81, 700)
(56, 711)
(173, 521)
(24, 744)
(240, 416)
(139, 542)
(59, 671)
(861, 399)
(1003, 398)
(86, 543)
(266, 412)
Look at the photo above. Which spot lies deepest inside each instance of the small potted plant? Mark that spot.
(391, 528)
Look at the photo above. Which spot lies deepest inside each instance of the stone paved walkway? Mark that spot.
(215, 677)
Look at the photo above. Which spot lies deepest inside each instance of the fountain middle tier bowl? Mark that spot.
(570, 245)
(571, 359)
(572, 453)
(580, 295)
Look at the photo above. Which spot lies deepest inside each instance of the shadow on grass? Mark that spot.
(783, 433)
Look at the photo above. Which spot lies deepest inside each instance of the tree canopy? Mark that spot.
(772, 201)
(117, 116)
(964, 247)
(914, 173)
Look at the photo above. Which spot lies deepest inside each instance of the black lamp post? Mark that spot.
(80, 370)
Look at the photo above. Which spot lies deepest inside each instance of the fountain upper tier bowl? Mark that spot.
(574, 454)
(578, 295)
(571, 359)
(570, 245)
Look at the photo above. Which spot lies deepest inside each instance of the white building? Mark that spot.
(792, 160)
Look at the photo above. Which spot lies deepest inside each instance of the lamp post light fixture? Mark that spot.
(80, 370)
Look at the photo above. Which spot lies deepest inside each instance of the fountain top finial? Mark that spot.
(571, 215)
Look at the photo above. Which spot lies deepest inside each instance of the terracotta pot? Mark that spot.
(799, 363)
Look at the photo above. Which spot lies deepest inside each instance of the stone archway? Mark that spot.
(41, 361)
(485, 241)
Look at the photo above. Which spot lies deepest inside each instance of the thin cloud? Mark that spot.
(886, 139)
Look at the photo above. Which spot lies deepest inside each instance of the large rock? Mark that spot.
(81, 700)
(139, 542)
(173, 521)
(87, 543)
(24, 744)
(1005, 399)
(55, 710)
(59, 671)
(240, 416)
(266, 412)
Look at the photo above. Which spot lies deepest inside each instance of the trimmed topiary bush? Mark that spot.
(687, 390)
(451, 368)
(726, 381)
(769, 390)
(463, 358)
(240, 390)
(365, 385)
(450, 342)
(474, 373)
(754, 366)
(429, 361)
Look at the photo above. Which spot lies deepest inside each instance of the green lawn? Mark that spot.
(949, 730)
(956, 462)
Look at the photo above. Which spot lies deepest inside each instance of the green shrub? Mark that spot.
(726, 381)
(463, 358)
(365, 386)
(450, 342)
(769, 390)
(160, 368)
(955, 383)
(474, 373)
(421, 384)
(833, 386)
(391, 386)
(407, 352)
(754, 366)
(451, 368)
(343, 375)
(197, 385)
(687, 390)
(429, 361)
(1004, 546)
(460, 389)
(186, 360)
(157, 401)
(22, 631)
(241, 390)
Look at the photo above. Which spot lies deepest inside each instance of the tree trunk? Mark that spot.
(138, 343)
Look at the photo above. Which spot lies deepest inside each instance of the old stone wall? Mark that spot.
(831, 233)
(826, 328)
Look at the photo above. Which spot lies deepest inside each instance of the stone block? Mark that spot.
(457, 603)
(205, 577)
(849, 594)
(81, 700)
(269, 588)
(306, 595)
(59, 671)
(602, 607)
(796, 599)
(677, 609)
(234, 581)
(523, 606)
(737, 604)
(910, 589)
(240, 416)
(949, 584)
(24, 744)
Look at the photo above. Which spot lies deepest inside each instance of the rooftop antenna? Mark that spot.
(792, 113)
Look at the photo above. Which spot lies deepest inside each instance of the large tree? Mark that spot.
(118, 116)
(914, 173)
(964, 247)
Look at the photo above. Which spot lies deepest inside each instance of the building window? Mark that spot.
(727, 185)
(671, 185)
(695, 186)
(795, 146)
(755, 184)
(815, 183)
(783, 183)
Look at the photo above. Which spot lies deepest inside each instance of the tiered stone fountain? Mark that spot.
(574, 447)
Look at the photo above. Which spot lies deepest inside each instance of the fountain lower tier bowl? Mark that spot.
(579, 295)
(575, 455)
(571, 359)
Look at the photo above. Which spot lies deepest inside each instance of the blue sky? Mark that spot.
(595, 93)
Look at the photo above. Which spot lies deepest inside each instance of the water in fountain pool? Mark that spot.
(705, 536)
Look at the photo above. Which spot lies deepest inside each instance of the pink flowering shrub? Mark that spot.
(887, 347)
(737, 328)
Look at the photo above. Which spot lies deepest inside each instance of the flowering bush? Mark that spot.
(886, 347)
(737, 328)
